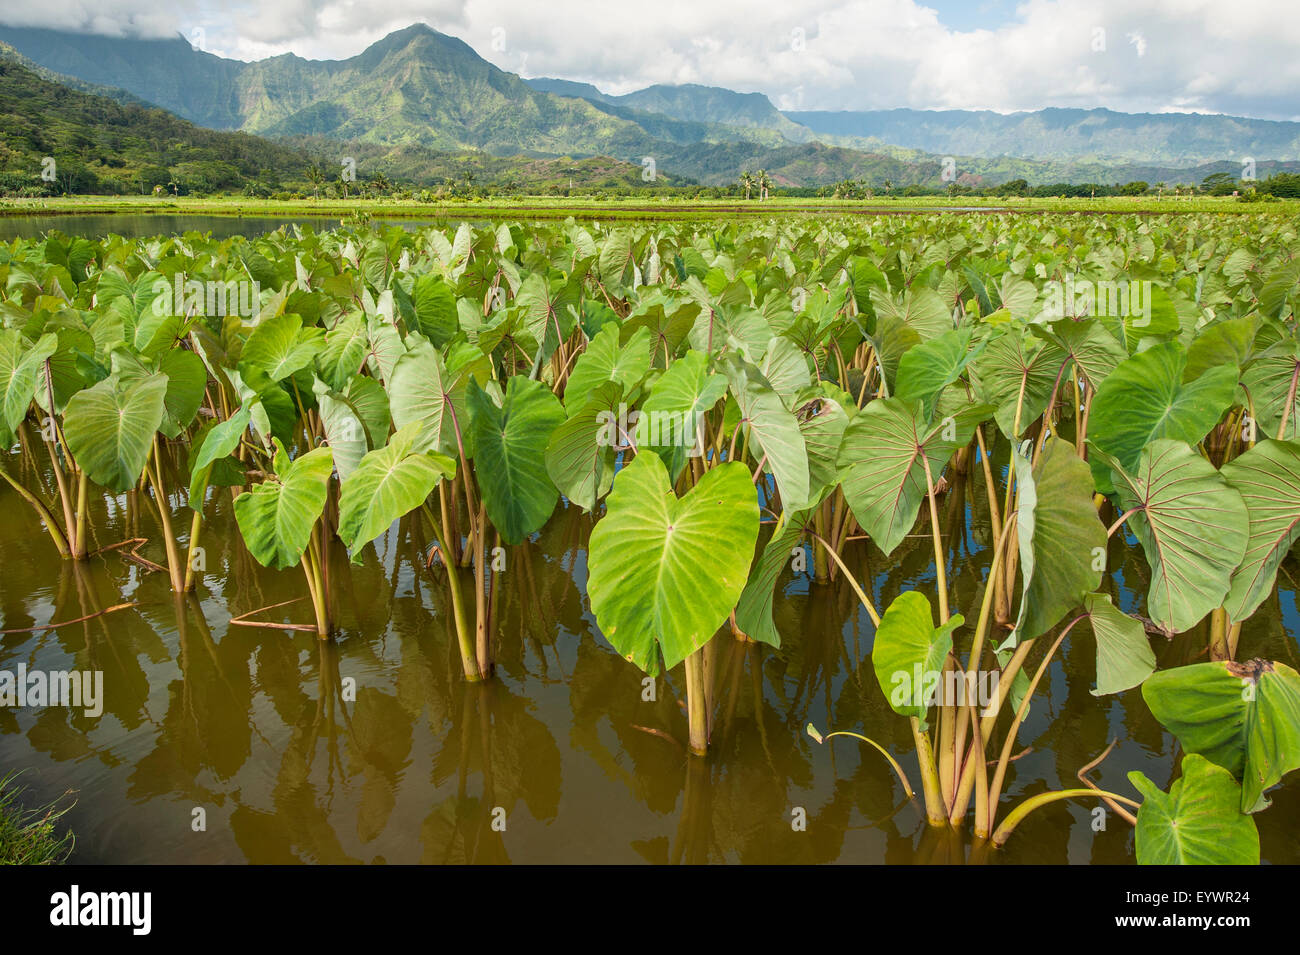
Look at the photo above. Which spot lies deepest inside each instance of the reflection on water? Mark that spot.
(371, 747)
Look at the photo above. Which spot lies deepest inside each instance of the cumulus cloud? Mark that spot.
(1132, 55)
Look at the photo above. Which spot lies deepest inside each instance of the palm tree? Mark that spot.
(315, 177)
(379, 183)
(747, 182)
(764, 183)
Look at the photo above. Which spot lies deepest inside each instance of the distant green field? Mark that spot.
(632, 207)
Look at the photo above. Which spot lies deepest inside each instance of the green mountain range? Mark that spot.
(419, 94)
(117, 145)
(1065, 135)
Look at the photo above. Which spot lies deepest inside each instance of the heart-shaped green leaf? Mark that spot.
(277, 516)
(1192, 526)
(110, 428)
(881, 465)
(909, 653)
(510, 454)
(388, 483)
(648, 551)
(1197, 822)
(1145, 398)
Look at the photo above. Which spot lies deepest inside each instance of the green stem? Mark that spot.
(697, 716)
(196, 524)
(464, 635)
(853, 581)
(995, 788)
(934, 809)
(1017, 815)
(79, 536)
(154, 470)
(898, 770)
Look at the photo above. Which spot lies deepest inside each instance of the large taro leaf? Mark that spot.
(679, 399)
(212, 452)
(1244, 717)
(434, 306)
(548, 309)
(187, 377)
(1124, 655)
(930, 367)
(19, 364)
(1268, 380)
(757, 600)
(786, 369)
(510, 454)
(1193, 527)
(882, 462)
(280, 346)
(922, 309)
(1060, 537)
(1016, 374)
(1145, 398)
(276, 517)
(344, 352)
(580, 455)
(1197, 822)
(389, 483)
(111, 426)
(422, 389)
(1268, 479)
(773, 430)
(651, 550)
(909, 653)
(607, 360)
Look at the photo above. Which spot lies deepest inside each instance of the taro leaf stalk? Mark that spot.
(647, 557)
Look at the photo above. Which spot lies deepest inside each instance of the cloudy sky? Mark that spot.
(1240, 57)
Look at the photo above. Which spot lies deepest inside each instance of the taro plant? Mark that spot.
(280, 521)
(645, 559)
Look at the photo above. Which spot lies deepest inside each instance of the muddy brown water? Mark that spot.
(370, 747)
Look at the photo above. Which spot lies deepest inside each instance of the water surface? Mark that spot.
(371, 747)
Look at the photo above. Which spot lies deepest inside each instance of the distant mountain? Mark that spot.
(103, 145)
(419, 94)
(690, 102)
(1097, 135)
(414, 87)
(572, 88)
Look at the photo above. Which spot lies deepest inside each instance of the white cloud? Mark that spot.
(1201, 55)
